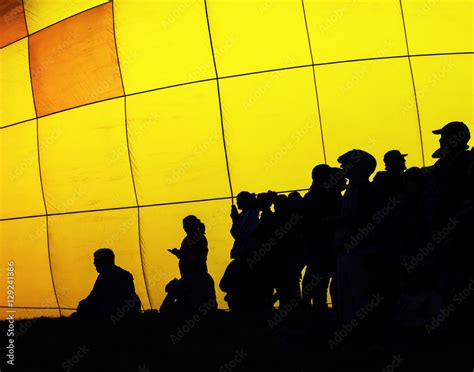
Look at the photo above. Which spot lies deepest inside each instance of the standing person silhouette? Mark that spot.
(193, 252)
(388, 187)
(354, 235)
(244, 225)
(451, 203)
(322, 206)
(242, 282)
(195, 288)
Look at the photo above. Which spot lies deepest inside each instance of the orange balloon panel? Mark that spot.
(118, 119)
(12, 21)
(74, 62)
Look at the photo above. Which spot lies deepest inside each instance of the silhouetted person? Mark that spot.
(296, 207)
(450, 206)
(193, 251)
(242, 280)
(113, 292)
(195, 288)
(244, 225)
(354, 236)
(388, 186)
(388, 183)
(322, 202)
(451, 172)
(262, 259)
(266, 221)
(285, 250)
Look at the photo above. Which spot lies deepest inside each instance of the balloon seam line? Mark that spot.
(220, 101)
(236, 76)
(315, 83)
(413, 83)
(140, 248)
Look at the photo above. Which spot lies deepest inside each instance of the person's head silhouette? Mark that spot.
(281, 204)
(336, 181)
(193, 225)
(104, 259)
(454, 138)
(357, 165)
(265, 200)
(246, 200)
(394, 161)
(320, 173)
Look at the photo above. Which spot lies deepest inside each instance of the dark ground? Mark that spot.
(225, 342)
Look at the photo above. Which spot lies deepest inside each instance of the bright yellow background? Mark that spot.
(84, 158)
(176, 144)
(161, 147)
(378, 113)
(20, 187)
(162, 43)
(344, 30)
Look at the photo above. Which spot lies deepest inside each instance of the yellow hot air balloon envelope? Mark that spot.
(120, 118)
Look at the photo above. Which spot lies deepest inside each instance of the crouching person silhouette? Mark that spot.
(113, 295)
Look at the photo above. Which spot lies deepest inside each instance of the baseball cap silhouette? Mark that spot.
(454, 128)
(393, 154)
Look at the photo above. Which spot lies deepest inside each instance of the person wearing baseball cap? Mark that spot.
(389, 182)
(394, 161)
(454, 138)
(450, 198)
(354, 283)
(357, 164)
(450, 176)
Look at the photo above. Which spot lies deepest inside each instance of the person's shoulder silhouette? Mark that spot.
(113, 291)
(395, 165)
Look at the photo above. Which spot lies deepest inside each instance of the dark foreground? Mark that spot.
(226, 342)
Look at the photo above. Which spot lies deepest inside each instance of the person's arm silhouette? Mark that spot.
(234, 213)
(175, 251)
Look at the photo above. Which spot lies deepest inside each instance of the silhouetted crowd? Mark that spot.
(395, 250)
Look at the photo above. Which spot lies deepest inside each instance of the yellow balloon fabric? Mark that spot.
(119, 119)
